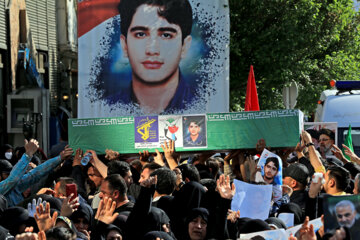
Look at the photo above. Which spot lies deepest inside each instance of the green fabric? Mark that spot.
(348, 143)
(225, 131)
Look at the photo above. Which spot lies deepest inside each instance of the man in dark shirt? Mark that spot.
(296, 176)
(114, 187)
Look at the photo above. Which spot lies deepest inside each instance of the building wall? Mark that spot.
(42, 18)
(3, 32)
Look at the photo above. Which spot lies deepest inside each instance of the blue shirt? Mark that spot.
(16, 173)
(181, 100)
(197, 143)
(14, 196)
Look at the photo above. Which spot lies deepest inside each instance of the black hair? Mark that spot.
(166, 180)
(313, 133)
(274, 160)
(327, 132)
(353, 168)
(340, 175)
(152, 166)
(61, 233)
(119, 167)
(116, 182)
(198, 120)
(177, 12)
(189, 171)
(213, 165)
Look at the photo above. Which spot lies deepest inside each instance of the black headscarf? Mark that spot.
(3, 149)
(157, 234)
(295, 209)
(83, 211)
(254, 225)
(198, 212)
(13, 217)
(277, 222)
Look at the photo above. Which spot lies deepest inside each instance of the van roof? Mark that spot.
(343, 109)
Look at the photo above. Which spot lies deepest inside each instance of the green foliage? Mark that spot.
(306, 41)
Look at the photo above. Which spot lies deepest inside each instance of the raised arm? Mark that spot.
(42, 170)
(20, 168)
(314, 159)
(170, 155)
(99, 165)
(351, 154)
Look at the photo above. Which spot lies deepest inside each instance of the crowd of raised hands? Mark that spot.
(165, 194)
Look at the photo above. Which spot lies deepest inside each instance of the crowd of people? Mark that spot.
(170, 195)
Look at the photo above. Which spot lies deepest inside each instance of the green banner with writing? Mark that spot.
(213, 131)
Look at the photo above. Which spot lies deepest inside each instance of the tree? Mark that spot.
(306, 41)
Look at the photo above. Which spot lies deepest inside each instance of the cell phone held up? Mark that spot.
(71, 188)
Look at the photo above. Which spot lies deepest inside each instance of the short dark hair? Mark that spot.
(166, 180)
(118, 167)
(177, 12)
(213, 164)
(327, 132)
(117, 182)
(274, 160)
(189, 171)
(60, 233)
(152, 166)
(340, 175)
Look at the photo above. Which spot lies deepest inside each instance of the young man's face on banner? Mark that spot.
(194, 129)
(270, 170)
(154, 46)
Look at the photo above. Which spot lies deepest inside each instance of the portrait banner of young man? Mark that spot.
(194, 131)
(142, 57)
(342, 211)
(271, 172)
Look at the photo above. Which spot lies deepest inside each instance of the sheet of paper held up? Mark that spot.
(253, 201)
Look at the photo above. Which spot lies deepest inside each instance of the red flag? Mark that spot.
(251, 100)
(93, 12)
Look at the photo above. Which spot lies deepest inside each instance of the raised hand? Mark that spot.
(32, 206)
(306, 232)
(43, 218)
(105, 212)
(169, 149)
(87, 233)
(27, 236)
(338, 153)
(144, 157)
(31, 147)
(158, 158)
(69, 206)
(233, 215)
(66, 153)
(306, 137)
(224, 188)
(299, 147)
(111, 155)
(77, 158)
(351, 154)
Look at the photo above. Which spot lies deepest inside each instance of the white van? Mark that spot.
(342, 106)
